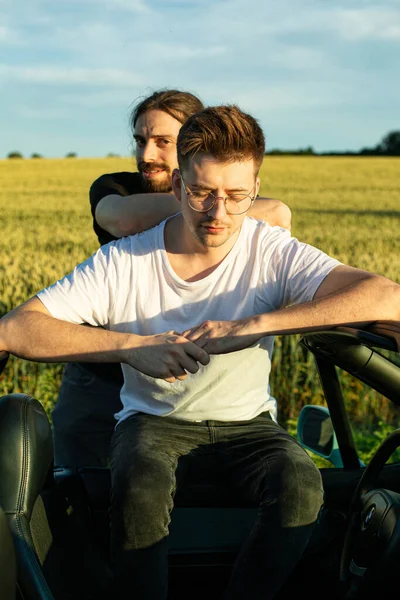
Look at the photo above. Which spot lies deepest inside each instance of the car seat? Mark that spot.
(56, 558)
(8, 575)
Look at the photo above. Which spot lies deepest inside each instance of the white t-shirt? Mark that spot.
(129, 286)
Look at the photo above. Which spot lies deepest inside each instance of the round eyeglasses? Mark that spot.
(203, 201)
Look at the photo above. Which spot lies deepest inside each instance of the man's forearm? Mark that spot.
(39, 337)
(359, 303)
(127, 215)
(365, 301)
(32, 334)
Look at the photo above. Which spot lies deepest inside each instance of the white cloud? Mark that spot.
(5, 34)
(291, 16)
(295, 57)
(10, 37)
(136, 6)
(115, 98)
(368, 24)
(52, 75)
(46, 114)
(177, 52)
(277, 98)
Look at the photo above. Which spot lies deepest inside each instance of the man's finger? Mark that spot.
(182, 377)
(189, 364)
(201, 343)
(196, 352)
(178, 372)
(194, 332)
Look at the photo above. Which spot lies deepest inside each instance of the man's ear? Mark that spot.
(176, 184)
(258, 183)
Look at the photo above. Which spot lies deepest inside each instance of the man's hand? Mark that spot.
(32, 333)
(221, 337)
(168, 356)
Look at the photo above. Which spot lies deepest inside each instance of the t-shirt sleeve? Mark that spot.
(100, 188)
(294, 271)
(86, 295)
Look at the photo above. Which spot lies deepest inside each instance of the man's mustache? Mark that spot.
(216, 224)
(152, 166)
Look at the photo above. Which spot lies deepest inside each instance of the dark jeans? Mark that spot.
(83, 418)
(258, 458)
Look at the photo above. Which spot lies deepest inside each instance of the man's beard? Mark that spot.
(162, 184)
(208, 240)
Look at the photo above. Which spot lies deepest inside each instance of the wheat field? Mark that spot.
(347, 206)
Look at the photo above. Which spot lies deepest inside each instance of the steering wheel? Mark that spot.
(3, 360)
(372, 540)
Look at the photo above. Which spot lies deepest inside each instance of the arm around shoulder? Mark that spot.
(127, 215)
(275, 212)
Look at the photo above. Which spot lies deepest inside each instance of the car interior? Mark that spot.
(54, 523)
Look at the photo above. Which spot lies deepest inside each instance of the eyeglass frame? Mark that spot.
(188, 192)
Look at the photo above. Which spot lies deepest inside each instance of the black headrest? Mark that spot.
(26, 452)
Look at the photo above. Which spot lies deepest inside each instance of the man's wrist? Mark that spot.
(128, 345)
(257, 325)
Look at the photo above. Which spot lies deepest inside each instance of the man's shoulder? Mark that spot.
(123, 182)
(140, 244)
(265, 241)
(262, 229)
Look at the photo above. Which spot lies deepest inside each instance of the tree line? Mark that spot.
(388, 146)
(17, 154)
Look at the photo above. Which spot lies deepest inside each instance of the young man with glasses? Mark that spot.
(190, 308)
(122, 204)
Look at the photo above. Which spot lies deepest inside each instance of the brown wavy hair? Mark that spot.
(177, 104)
(223, 132)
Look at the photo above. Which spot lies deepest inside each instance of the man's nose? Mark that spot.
(149, 152)
(218, 211)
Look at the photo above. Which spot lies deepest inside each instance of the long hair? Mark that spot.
(177, 104)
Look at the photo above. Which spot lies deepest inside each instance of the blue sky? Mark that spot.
(313, 72)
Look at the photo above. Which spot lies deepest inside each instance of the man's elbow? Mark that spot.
(117, 227)
(111, 217)
(5, 336)
(3, 359)
(395, 303)
(282, 216)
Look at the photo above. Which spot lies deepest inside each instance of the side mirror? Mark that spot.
(315, 432)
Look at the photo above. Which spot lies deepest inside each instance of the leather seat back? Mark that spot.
(26, 451)
(8, 571)
(56, 558)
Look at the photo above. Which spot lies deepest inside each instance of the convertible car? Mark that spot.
(54, 523)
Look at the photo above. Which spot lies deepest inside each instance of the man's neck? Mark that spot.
(190, 259)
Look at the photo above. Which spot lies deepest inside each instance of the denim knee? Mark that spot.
(141, 506)
(302, 491)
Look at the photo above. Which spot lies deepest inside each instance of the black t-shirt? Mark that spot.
(123, 184)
